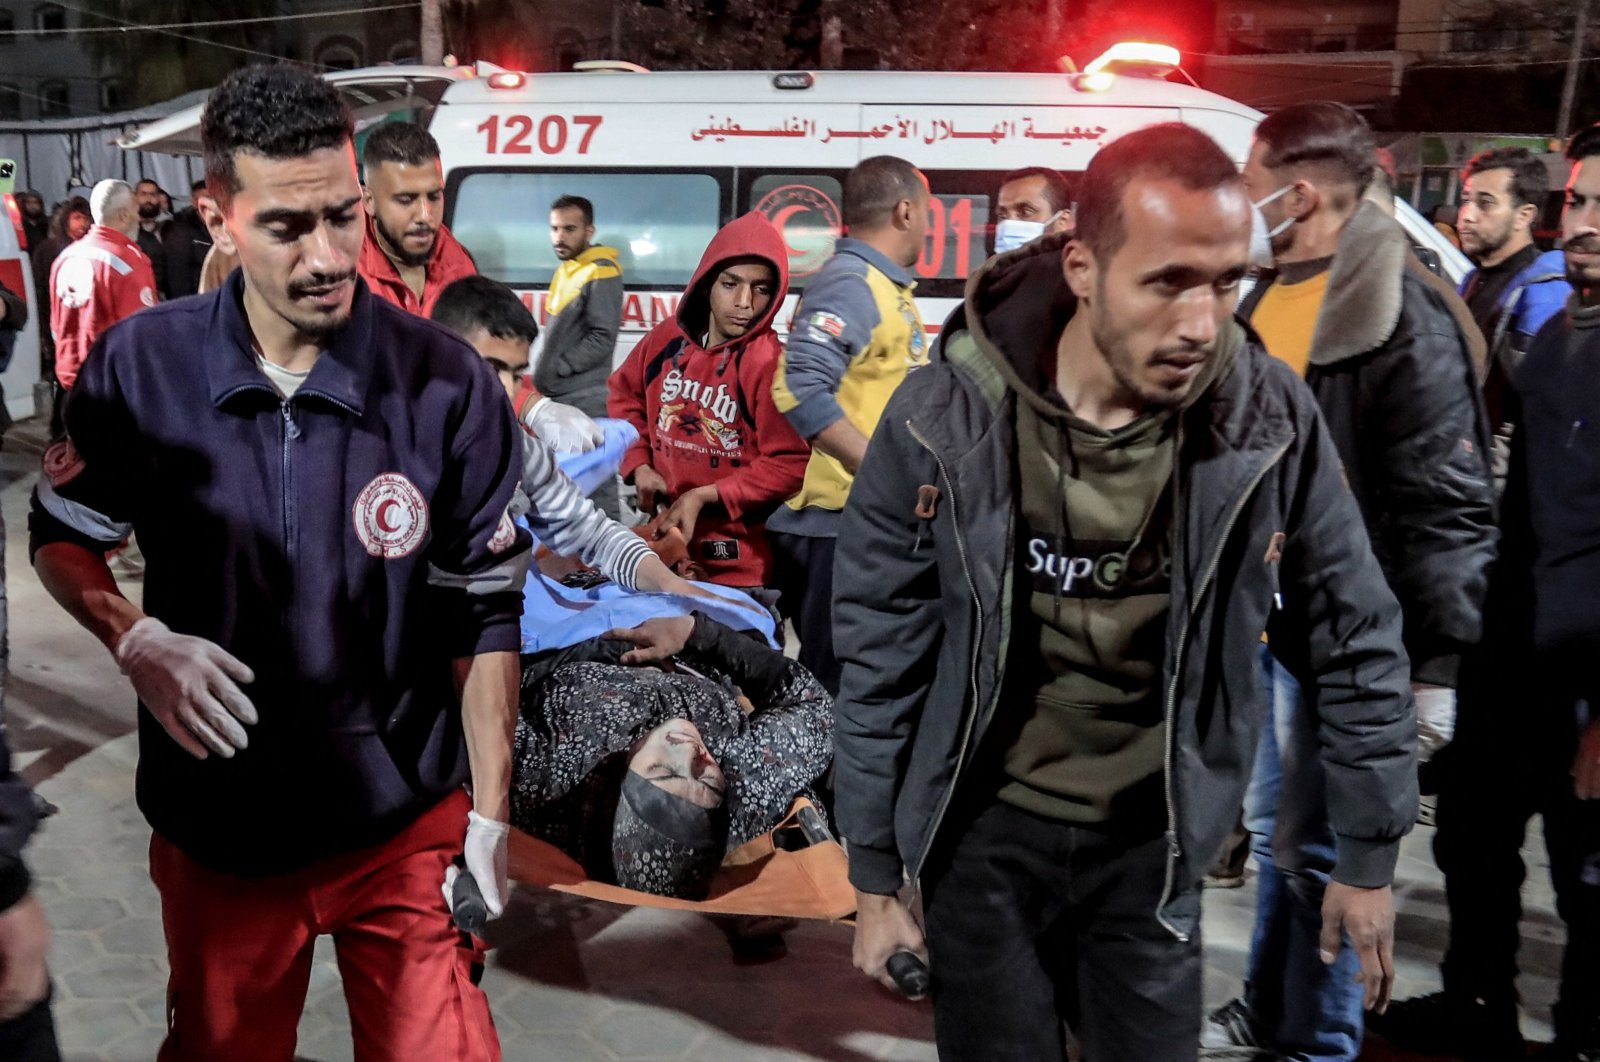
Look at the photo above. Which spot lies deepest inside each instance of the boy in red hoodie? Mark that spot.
(712, 445)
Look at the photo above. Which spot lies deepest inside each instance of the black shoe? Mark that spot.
(1582, 1047)
(1439, 1024)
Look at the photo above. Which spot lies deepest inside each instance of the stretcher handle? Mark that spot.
(466, 901)
(910, 974)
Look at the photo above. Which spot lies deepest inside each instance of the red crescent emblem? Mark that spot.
(390, 517)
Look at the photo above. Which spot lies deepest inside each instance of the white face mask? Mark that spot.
(1011, 233)
(1261, 237)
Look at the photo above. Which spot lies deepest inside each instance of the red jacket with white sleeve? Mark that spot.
(707, 415)
(96, 282)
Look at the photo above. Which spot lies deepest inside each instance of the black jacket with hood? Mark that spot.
(1395, 380)
(925, 608)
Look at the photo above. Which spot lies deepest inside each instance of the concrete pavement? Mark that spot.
(569, 979)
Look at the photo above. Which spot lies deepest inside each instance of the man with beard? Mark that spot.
(328, 645)
(585, 308)
(35, 222)
(1528, 740)
(153, 225)
(1064, 544)
(409, 257)
(1515, 289)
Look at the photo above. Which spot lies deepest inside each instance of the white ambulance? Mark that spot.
(667, 158)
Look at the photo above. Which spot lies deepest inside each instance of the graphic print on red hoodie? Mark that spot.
(707, 416)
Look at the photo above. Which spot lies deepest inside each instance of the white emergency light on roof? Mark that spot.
(1129, 58)
(507, 79)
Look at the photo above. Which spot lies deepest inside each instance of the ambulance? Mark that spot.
(21, 372)
(668, 158)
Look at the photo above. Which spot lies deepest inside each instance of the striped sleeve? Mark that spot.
(570, 524)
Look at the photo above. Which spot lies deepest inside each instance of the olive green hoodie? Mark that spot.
(1080, 736)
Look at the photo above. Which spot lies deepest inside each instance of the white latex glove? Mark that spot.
(1436, 718)
(565, 429)
(190, 685)
(485, 855)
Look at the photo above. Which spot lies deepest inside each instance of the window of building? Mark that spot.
(54, 100)
(10, 103)
(405, 52)
(1375, 38)
(659, 222)
(113, 95)
(50, 18)
(1288, 39)
(339, 53)
(1487, 37)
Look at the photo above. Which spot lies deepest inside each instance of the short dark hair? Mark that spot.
(276, 111)
(152, 182)
(1585, 144)
(575, 202)
(401, 142)
(477, 302)
(1057, 189)
(1169, 151)
(197, 187)
(1530, 181)
(1325, 134)
(876, 186)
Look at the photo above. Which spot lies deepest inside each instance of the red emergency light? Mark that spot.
(15, 213)
(507, 79)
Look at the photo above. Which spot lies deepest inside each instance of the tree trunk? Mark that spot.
(432, 35)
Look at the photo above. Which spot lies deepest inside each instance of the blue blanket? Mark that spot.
(556, 616)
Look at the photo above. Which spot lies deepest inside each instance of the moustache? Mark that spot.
(1583, 246)
(318, 284)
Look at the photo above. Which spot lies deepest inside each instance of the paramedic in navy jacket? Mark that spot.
(327, 649)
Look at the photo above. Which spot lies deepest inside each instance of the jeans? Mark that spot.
(1311, 1011)
(1033, 924)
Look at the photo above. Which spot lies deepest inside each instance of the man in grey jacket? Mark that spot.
(1064, 544)
(585, 307)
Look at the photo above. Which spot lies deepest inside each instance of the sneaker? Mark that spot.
(1231, 1033)
(1223, 880)
(1584, 1047)
(1439, 1024)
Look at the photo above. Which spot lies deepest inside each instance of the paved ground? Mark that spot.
(570, 980)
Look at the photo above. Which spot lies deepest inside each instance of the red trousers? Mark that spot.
(240, 951)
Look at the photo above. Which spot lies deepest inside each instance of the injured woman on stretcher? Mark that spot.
(650, 753)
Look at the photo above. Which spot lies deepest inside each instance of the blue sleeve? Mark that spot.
(832, 325)
(1541, 301)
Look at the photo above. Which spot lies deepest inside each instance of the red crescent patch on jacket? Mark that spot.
(390, 516)
(62, 463)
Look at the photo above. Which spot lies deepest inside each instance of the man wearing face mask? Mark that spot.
(1390, 368)
(1033, 202)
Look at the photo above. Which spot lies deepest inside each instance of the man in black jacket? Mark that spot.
(1065, 543)
(1529, 737)
(1390, 368)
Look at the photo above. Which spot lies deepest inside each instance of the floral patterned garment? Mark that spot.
(577, 715)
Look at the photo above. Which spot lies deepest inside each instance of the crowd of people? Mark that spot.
(1211, 496)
